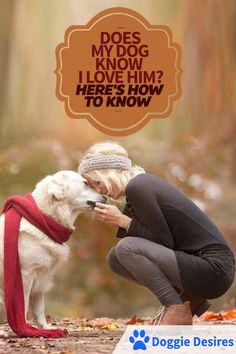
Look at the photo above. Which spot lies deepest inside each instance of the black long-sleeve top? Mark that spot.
(163, 214)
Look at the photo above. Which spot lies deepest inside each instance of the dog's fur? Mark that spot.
(62, 196)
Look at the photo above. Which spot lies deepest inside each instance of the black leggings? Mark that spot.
(149, 264)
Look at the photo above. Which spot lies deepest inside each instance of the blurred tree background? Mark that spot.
(195, 148)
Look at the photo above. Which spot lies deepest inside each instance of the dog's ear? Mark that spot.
(56, 190)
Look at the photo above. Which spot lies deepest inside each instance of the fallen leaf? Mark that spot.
(110, 326)
(230, 314)
(209, 316)
(135, 320)
(84, 329)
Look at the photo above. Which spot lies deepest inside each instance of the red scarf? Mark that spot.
(15, 207)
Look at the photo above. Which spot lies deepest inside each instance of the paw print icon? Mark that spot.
(139, 340)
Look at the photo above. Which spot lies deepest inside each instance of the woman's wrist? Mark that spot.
(125, 222)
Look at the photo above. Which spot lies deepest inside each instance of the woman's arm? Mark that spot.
(149, 221)
(137, 229)
(126, 221)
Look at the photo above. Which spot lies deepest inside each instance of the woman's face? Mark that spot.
(101, 188)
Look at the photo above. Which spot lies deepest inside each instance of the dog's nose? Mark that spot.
(91, 203)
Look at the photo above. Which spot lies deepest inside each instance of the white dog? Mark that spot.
(62, 196)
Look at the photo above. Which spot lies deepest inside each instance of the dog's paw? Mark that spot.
(44, 326)
(3, 334)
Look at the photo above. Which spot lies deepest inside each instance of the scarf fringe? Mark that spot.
(30, 331)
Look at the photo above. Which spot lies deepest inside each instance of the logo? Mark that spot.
(180, 339)
(139, 339)
(118, 71)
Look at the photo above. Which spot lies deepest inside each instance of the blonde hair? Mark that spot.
(118, 176)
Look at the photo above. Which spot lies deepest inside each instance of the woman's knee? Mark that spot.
(125, 247)
(112, 260)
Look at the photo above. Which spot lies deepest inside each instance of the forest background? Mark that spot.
(195, 148)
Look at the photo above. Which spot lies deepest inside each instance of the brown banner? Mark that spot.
(118, 71)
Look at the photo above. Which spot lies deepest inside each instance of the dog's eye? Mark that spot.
(86, 183)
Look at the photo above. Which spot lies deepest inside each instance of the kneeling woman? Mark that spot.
(167, 243)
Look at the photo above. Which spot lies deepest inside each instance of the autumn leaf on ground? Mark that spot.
(230, 315)
(103, 323)
(84, 329)
(209, 316)
(135, 320)
(110, 326)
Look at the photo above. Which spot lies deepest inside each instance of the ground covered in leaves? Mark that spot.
(95, 336)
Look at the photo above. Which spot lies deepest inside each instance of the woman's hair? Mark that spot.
(119, 176)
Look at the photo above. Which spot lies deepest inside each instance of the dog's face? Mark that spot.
(70, 187)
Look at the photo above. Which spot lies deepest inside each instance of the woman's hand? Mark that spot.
(111, 215)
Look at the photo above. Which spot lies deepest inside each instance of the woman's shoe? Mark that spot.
(179, 314)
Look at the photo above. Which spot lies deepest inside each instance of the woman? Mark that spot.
(167, 243)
